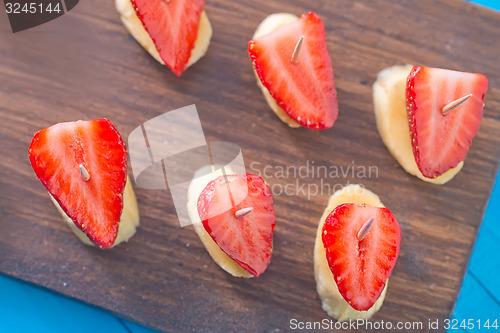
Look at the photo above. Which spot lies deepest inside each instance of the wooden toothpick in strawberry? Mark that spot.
(243, 212)
(365, 229)
(444, 109)
(237, 212)
(298, 50)
(85, 174)
(455, 104)
(293, 66)
(83, 165)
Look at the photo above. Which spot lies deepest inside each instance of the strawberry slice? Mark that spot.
(95, 204)
(173, 26)
(248, 238)
(361, 268)
(440, 141)
(304, 90)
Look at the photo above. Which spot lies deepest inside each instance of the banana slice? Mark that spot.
(271, 23)
(134, 26)
(389, 99)
(129, 220)
(332, 301)
(195, 188)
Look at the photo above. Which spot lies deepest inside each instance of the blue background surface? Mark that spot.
(28, 308)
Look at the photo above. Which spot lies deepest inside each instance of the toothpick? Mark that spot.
(297, 50)
(453, 105)
(85, 174)
(242, 212)
(365, 229)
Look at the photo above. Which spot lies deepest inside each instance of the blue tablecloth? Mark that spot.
(27, 308)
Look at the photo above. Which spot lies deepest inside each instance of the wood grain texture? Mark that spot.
(85, 65)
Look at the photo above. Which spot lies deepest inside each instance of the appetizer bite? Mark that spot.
(176, 32)
(427, 117)
(357, 246)
(294, 70)
(237, 220)
(83, 165)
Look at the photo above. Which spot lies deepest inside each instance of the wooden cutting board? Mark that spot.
(84, 65)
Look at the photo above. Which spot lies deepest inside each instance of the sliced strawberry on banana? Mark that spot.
(362, 246)
(237, 212)
(389, 103)
(445, 109)
(292, 62)
(83, 165)
(357, 245)
(176, 32)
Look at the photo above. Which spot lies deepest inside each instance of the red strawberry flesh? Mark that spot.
(361, 268)
(440, 141)
(173, 26)
(304, 90)
(94, 205)
(247, 240)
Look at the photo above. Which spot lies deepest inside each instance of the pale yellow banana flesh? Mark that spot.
(271, 23)
(332, 301)
(135, 27)
(389, 100)
(129, 220)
